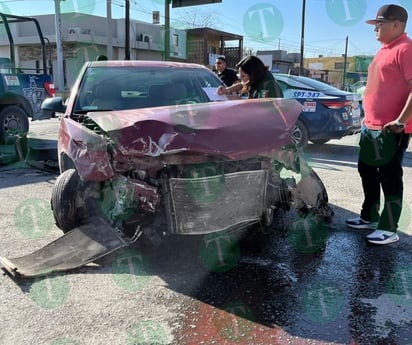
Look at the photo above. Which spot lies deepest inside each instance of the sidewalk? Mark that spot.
(38, 148)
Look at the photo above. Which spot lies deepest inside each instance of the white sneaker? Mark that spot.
(359, 223)
(382, 237)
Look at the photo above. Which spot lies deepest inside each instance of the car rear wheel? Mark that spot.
(300, 134)
(13, 122)
(63, 200)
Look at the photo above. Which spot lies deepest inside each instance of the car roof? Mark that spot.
(145, 63)
(309, 83)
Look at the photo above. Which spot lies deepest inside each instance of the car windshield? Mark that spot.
(121, 88)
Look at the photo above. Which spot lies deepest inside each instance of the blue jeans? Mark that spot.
(380, 165)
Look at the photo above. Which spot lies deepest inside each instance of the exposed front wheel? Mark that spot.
(13, 122)
(310, 195)
(63, 200)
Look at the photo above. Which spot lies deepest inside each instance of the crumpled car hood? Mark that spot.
(234, 129)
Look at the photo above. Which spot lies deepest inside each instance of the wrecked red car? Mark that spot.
(148, 149)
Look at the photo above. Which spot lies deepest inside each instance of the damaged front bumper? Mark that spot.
(76, 248)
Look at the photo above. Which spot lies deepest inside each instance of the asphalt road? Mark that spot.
(268, 289)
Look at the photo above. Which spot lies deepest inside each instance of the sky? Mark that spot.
(265, 25)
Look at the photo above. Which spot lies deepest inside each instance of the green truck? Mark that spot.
(22, 90)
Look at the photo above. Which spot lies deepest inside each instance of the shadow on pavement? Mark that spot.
(40, 154)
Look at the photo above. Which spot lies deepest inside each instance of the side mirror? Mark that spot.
(54, 104)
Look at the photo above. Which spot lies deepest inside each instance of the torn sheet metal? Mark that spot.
(237, 129)
(234, 129)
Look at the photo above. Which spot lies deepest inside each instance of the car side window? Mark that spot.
(282, 85)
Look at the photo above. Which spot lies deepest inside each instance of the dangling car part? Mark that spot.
(189, 169)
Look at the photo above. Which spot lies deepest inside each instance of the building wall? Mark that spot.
(279, 61)
(84, 37)
(330, 69)
(195, 49)
(205, 44)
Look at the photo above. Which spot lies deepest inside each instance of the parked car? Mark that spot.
(359, 89)
(146, 151)
(328, 112)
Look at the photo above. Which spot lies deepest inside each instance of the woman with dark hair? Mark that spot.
(256, 80)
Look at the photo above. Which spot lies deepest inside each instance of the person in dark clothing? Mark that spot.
(227, 75)
(256, 80)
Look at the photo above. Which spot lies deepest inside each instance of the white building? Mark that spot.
(85, 37)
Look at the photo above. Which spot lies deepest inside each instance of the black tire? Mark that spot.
(13, 122)
(319, 141)
(63, 200)
(300, 134)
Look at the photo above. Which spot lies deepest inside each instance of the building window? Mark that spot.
(175, 40)
(339, 65)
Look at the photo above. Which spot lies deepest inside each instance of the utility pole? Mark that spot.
(59, 49)
(109, 49)
(167, 30)
(345, 59)
(127, 31)
(302, 38)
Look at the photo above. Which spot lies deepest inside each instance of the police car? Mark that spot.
(328, 112)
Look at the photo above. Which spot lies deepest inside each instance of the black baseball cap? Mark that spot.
(389, 12)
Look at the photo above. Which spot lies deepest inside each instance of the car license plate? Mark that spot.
(356, 121)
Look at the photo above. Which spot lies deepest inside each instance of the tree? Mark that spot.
(248, 51)
(193, 18)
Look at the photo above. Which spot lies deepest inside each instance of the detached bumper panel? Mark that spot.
(76, 248)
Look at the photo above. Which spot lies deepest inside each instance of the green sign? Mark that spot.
(362, 63)
(184, 3)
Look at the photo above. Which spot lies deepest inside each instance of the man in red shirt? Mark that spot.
(385, 131)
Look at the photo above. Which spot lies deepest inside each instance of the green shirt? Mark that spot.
(269, 84)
